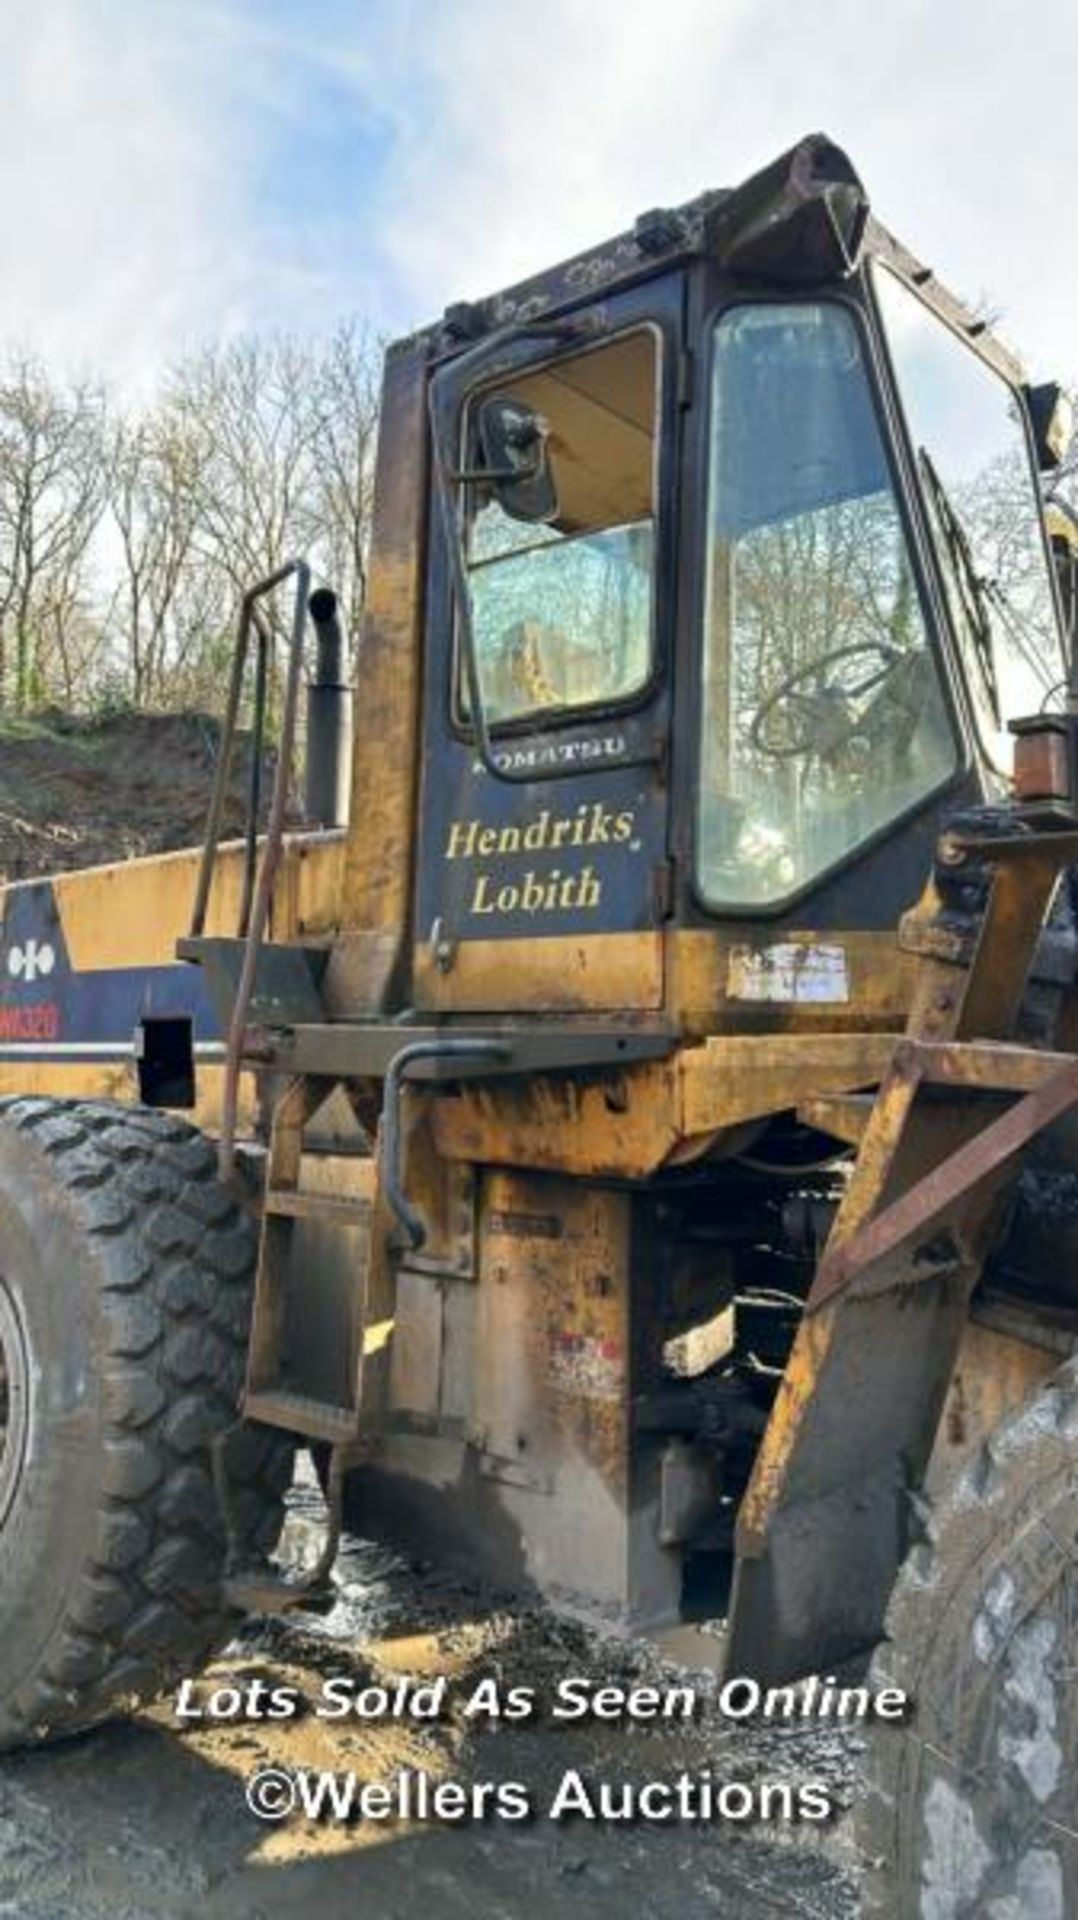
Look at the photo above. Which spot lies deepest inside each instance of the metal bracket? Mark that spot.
(898, 1227)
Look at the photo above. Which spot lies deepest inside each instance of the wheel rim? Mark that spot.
(14, 1400)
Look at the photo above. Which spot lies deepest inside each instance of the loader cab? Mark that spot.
(738, 578)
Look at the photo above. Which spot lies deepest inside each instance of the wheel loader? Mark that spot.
(627, 1136)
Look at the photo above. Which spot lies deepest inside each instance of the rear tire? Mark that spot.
(125, 1297)
(972, 1809)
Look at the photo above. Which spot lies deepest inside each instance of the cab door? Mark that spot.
(540, 877)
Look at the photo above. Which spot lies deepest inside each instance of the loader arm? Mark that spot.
(844, 1457)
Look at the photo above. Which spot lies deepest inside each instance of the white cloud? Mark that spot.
(104, 172)
(131, 142)
(142, 148)
(521, 133)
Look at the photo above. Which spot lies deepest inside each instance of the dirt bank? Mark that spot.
(75, 792)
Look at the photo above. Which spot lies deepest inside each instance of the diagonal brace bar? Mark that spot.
(933, 1196)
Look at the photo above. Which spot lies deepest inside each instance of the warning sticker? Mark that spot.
(587, 1365)
(790, 971)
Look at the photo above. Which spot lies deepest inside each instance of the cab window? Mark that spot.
(562, 609)
(822, 715)
(977, 478)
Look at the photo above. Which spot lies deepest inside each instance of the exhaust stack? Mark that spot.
(329, 719)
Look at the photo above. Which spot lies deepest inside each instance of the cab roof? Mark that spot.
(804, 221)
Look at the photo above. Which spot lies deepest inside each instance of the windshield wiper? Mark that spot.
(968, 582)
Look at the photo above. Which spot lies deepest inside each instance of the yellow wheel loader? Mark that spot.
(643, 1160)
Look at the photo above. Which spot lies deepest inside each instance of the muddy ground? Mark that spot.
(146, 1820)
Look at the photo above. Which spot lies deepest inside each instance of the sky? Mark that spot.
(176, 171)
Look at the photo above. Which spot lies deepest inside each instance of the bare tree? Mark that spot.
(126, 538)
(346, 393)
(279, 434)
(250, 408)
(52, 474)
(156, 491)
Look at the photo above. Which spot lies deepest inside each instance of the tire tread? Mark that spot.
(1045, 1423)
(178, 1254)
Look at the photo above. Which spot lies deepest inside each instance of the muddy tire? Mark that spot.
(973, 1808)
(125, 1294)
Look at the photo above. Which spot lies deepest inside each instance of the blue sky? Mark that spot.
(176, 170)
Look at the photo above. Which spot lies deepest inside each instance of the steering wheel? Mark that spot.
(820, 719)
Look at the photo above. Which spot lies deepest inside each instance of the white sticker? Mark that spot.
(790, 971)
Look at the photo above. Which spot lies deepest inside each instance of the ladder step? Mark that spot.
(298, 1413)
(298, 1203)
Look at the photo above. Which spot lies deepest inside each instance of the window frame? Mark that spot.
(938, 636)
(877, 264)
(538, 721)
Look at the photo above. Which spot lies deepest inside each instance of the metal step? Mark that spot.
(298, 1413)
(299, 1203)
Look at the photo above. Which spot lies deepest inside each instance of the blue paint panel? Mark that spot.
(109, 1005)
(43, 998)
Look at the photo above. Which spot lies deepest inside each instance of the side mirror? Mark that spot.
(516, 459)
(1051, 415)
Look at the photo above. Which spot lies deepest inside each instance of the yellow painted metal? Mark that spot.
(70, 1079)
(797, 1390)
(554, 1311)
(816, 1332)
(706, 968)
(1061, 526)
(902, 1139)
(76, 1079)
(556, 975)
(629, 1124)
(843, 1115)
(704, 978)
(307, 896)
(132, 913)
(377, 887)
(992, 1065)
(738, 1077)
(443, 1192)
(994, 1373)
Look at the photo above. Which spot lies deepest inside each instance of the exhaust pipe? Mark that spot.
(328, 775)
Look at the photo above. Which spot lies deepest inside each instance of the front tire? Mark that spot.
(125, 1295)
(972, 1809)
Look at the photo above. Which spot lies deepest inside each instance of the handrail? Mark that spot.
(254, 793)
(247, 617)
(446, 1051)
(256, 897)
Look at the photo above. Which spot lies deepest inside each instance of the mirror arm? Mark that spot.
(488, 476)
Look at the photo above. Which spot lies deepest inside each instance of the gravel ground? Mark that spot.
(146, 1820)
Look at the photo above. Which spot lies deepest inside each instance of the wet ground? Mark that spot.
(147, 1820)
